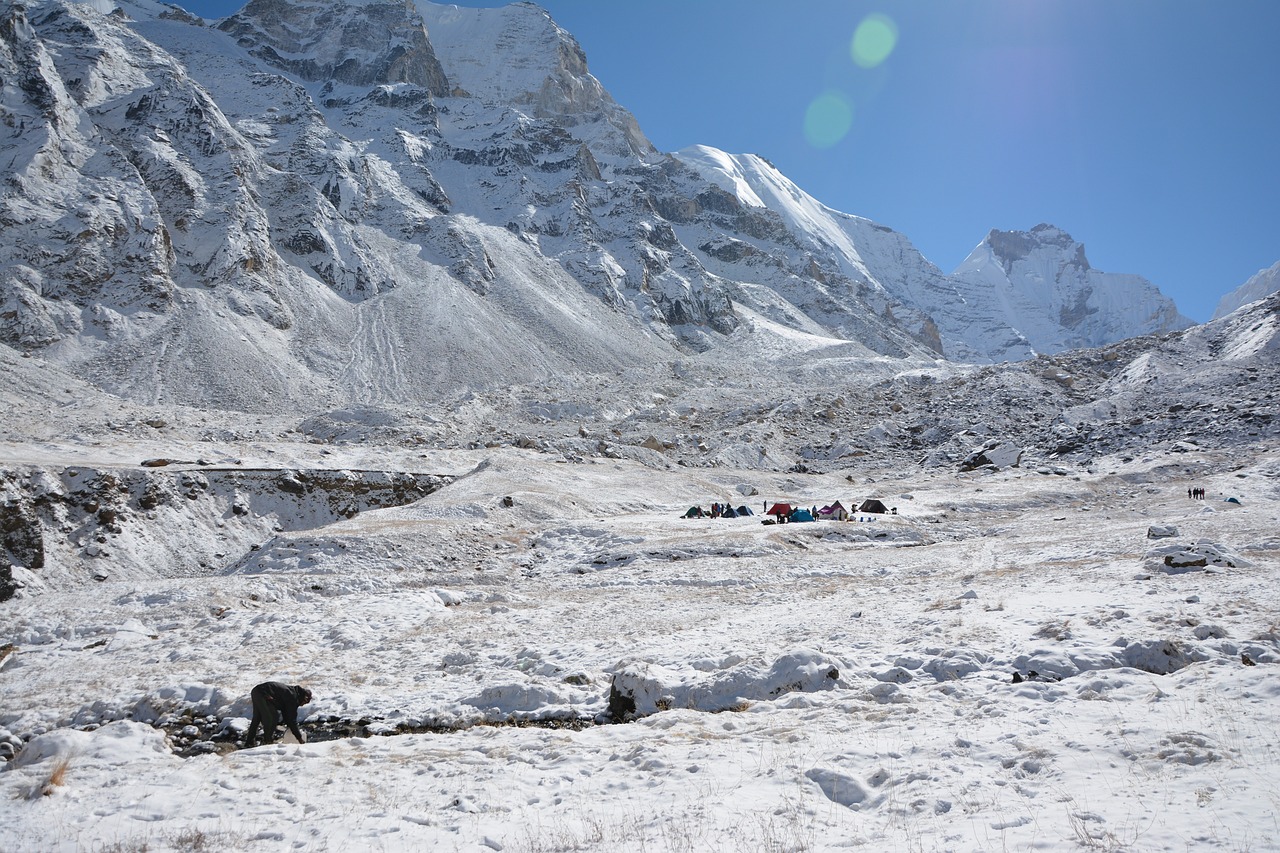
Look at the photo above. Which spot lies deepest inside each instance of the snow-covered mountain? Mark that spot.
(1260, 286)
(337, 201)
(1039, 285)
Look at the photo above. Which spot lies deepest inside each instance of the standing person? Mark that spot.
(1189, 493)
(272, 699)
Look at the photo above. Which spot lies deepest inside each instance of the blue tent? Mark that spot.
(800, 515)
(745, 510)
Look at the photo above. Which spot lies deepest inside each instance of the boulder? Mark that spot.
(994, 454)
(1177, 559)
(640, 688)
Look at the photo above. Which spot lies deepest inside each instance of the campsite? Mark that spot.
(787, 512)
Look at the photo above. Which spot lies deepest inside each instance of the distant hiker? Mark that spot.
(272, 700)
(1189, 493)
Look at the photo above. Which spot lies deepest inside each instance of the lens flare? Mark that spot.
(827, 120)
(874, 40)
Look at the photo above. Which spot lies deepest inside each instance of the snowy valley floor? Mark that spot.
(801, 687)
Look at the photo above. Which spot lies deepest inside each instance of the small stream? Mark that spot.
(210, 735)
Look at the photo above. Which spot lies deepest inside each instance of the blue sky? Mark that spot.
(1148, 129)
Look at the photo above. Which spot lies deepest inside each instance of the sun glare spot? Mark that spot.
(874, 40)
(827, 120)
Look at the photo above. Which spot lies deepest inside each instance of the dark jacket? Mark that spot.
(271, 698)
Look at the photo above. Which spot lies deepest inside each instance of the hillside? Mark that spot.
(290, 207)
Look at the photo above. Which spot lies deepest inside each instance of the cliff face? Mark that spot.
(358, 42)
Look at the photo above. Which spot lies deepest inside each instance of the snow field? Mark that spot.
(821, 690)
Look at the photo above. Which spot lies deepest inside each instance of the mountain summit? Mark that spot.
(1040, 284)
(373, 200)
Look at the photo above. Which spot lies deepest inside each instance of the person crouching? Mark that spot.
(275, 702)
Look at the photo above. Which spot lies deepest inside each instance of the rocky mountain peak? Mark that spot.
(519, 56)
(1043, 285)
(358, 42)
(1013, 246)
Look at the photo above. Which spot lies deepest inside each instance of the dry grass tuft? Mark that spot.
(1055, 631)
(57, 776)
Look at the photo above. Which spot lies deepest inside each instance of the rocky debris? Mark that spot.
(1161, 531)
(191, 735)
(21, 541)
(993, 454)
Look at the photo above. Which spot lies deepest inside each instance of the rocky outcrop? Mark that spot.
(75, 524)
(365, 43)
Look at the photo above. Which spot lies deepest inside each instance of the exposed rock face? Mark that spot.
(79, 523)
(356, 42)
(517, 56)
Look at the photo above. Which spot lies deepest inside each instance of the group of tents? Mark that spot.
(718, 511)
(784, 513)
